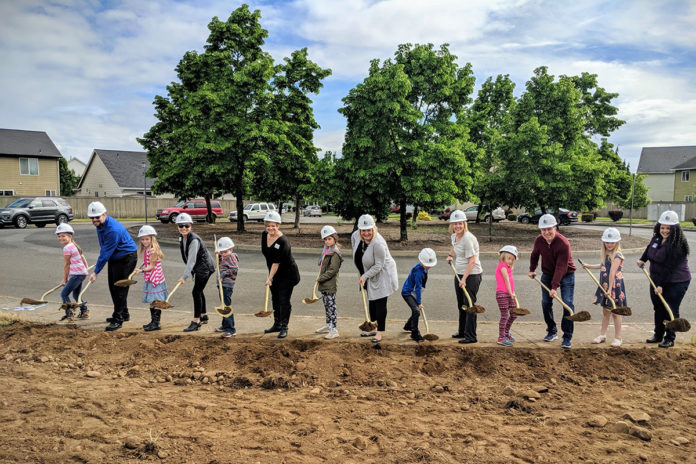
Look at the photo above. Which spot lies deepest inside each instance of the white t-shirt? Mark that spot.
(465, 249)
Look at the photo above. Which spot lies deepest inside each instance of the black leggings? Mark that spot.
(280, 298)
(120, 269)
(467, 321)
(199, 283)
(378, 312)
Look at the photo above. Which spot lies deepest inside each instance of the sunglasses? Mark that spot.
(184, 226)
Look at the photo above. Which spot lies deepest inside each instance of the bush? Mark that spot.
(588, 217)
(693, 219)
(615, 214)
(424, 216)
(512, 217)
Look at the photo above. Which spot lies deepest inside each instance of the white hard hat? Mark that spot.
(64, 228)
(225, 243)
(272, 216)
(326, 231)
(669, 218)
(457, 216)
(146, 230)
(184, 218)
(611, 235)
(366, 222)
(427, 257)
(509, 249)
(547, 220)
(96, 209)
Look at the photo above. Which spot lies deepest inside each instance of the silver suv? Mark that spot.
(253, 212)
(36, 210)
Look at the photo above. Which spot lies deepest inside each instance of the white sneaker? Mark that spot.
(333, 333)
(324, 329)
(600, 339)
(616, 343)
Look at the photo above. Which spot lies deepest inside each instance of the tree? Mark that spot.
(213, 126)
(620, 182)
(68, 179)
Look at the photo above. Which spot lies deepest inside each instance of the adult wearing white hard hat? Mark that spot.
(377, 271)
(283, 274)
(119, 251)
(412, 290)
(199, 265)
(464, 252)
(668, 253)
(558, 272)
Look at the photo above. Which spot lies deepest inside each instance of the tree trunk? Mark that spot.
(478, 211)
(402, 221)
(240, 207)
(209, 209)
(415, 215)
(297, 212)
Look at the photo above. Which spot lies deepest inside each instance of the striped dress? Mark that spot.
(155, 285)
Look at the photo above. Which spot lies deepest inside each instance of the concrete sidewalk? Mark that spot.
(174, 320)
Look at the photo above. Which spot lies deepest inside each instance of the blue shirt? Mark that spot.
(115, 243)
(415, 282)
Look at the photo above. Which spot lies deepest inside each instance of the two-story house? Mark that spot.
(29, 163)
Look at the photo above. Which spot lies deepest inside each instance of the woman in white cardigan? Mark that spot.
(377, 271)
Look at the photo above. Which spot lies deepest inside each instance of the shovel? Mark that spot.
(159, 304)
(314, 298)
(129, 281)
(620, 310)
(265, 312)
(31, 301)
(368, 325)
(428, 336)
(472, 308)
(517, 310)
(222, 310)
(79, 299)
(582, 316)
(677, 325)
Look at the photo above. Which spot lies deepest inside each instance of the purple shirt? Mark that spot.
(660, 270)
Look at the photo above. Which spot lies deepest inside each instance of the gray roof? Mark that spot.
(27, 143)
(126, 167)
(691, 164)
(656, 160)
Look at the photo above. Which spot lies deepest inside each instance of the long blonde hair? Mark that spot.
(612, 254)
(156, 254)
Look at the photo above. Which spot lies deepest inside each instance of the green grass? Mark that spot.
(625, 221)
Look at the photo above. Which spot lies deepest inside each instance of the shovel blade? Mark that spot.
(160, 304)
(31, 301)
(679, 325)
(125, 282)
(310, 300)
(263, 313)
(223, 311)
(581, 316)
(367, 326)
(622, 311)
(520, 311)
(476, 309)
(431, 337)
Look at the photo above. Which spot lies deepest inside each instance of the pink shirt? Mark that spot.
(77, 266)
(155, 276)
(500, 283)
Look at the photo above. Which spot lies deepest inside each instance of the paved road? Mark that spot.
(32, 262)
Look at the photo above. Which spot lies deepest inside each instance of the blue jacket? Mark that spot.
(415, 282)
(115, 243)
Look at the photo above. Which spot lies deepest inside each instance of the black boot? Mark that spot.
(283, 329)
(152, 318)
(416, 335)
(155, 324)
(276, 324)
(193, 326)
(204, 318)
(408, 326)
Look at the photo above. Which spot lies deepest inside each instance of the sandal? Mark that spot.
(368, 334)
(376, 340)
(599, 339)
(616, 343)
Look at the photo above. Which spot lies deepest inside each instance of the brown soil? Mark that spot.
(72, 395)
(432, 234)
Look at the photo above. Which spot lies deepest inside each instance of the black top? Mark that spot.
(288, 275)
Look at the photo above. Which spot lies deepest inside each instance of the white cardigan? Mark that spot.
(380, 268)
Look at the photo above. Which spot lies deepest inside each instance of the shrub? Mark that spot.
(424, 216)
(615, 214)
(693, 219)
(408, 215)
(512, 217)
(588, 217)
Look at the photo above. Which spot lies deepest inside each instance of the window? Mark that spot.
(6, 193)
(688, 198)
(48, 203)
(685, 176)
(50, 193)
(28, 166)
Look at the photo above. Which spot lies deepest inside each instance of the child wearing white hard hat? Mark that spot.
(154, 286)
(505, 293)
(74, 272)
(229, 268)
(413, 287)
(327, 281)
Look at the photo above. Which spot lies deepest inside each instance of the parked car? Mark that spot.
(565, 217)
(253, 212)
(312, 210)
(472, 211)
(445, 215)
(36, 210)
(196, 208)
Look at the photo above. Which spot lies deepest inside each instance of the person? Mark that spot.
(505, 293)
(465, 254)
(377, 271)
(118, 250)
(558, 272)
(74, 271)
(154, 285)
(611, 279)
(229, 267)
(199, 265)
(412, 290)
(283, 274)
(329, 265)
(669, 269)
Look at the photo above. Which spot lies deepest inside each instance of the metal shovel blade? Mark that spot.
(367, 326)
(125, 282)
(476, 309)
(160, 304)
(310, 300)
(679, 325)
(520, 311)
(30, 301)
(621, 310)
(581, 316)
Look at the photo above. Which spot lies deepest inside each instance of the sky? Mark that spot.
(86, 71)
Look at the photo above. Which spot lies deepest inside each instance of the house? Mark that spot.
(77, 166)
(115, 173)
(668, 176)
(29, 162)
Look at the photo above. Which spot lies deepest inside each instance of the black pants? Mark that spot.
(199, 283)
(673, 295)
(120, 269)
(280, 297)
(467, 321)
(412, 322)
(378, 312)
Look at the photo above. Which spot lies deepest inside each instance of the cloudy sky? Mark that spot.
(86, 71)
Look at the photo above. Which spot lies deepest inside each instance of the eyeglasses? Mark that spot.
(184, 226)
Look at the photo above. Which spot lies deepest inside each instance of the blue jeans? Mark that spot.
(74, 286)
(567, 290)
(228, 322)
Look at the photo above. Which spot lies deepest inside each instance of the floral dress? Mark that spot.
(618, 292)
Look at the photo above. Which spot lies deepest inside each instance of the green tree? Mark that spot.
(620, 181)
(68, 179)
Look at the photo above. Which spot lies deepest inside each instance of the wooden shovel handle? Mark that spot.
(265, 304)
(79, 298)
(555, 296)
(43, 297)
(466, 294)
(606, 294)
(217, 266)
(425, 320)
(178, 284)
(367, 314)
(664, 302)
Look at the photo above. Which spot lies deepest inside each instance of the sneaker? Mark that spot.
(504, 341)
(228, 334)
(601, 339)
(323, 329)
(333, 333)
(565, 344)
(616, 343)
(550, 337)
(510, 337)
(84, 314)
(220, 329)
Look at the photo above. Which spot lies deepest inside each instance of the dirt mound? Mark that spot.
(85, 396)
